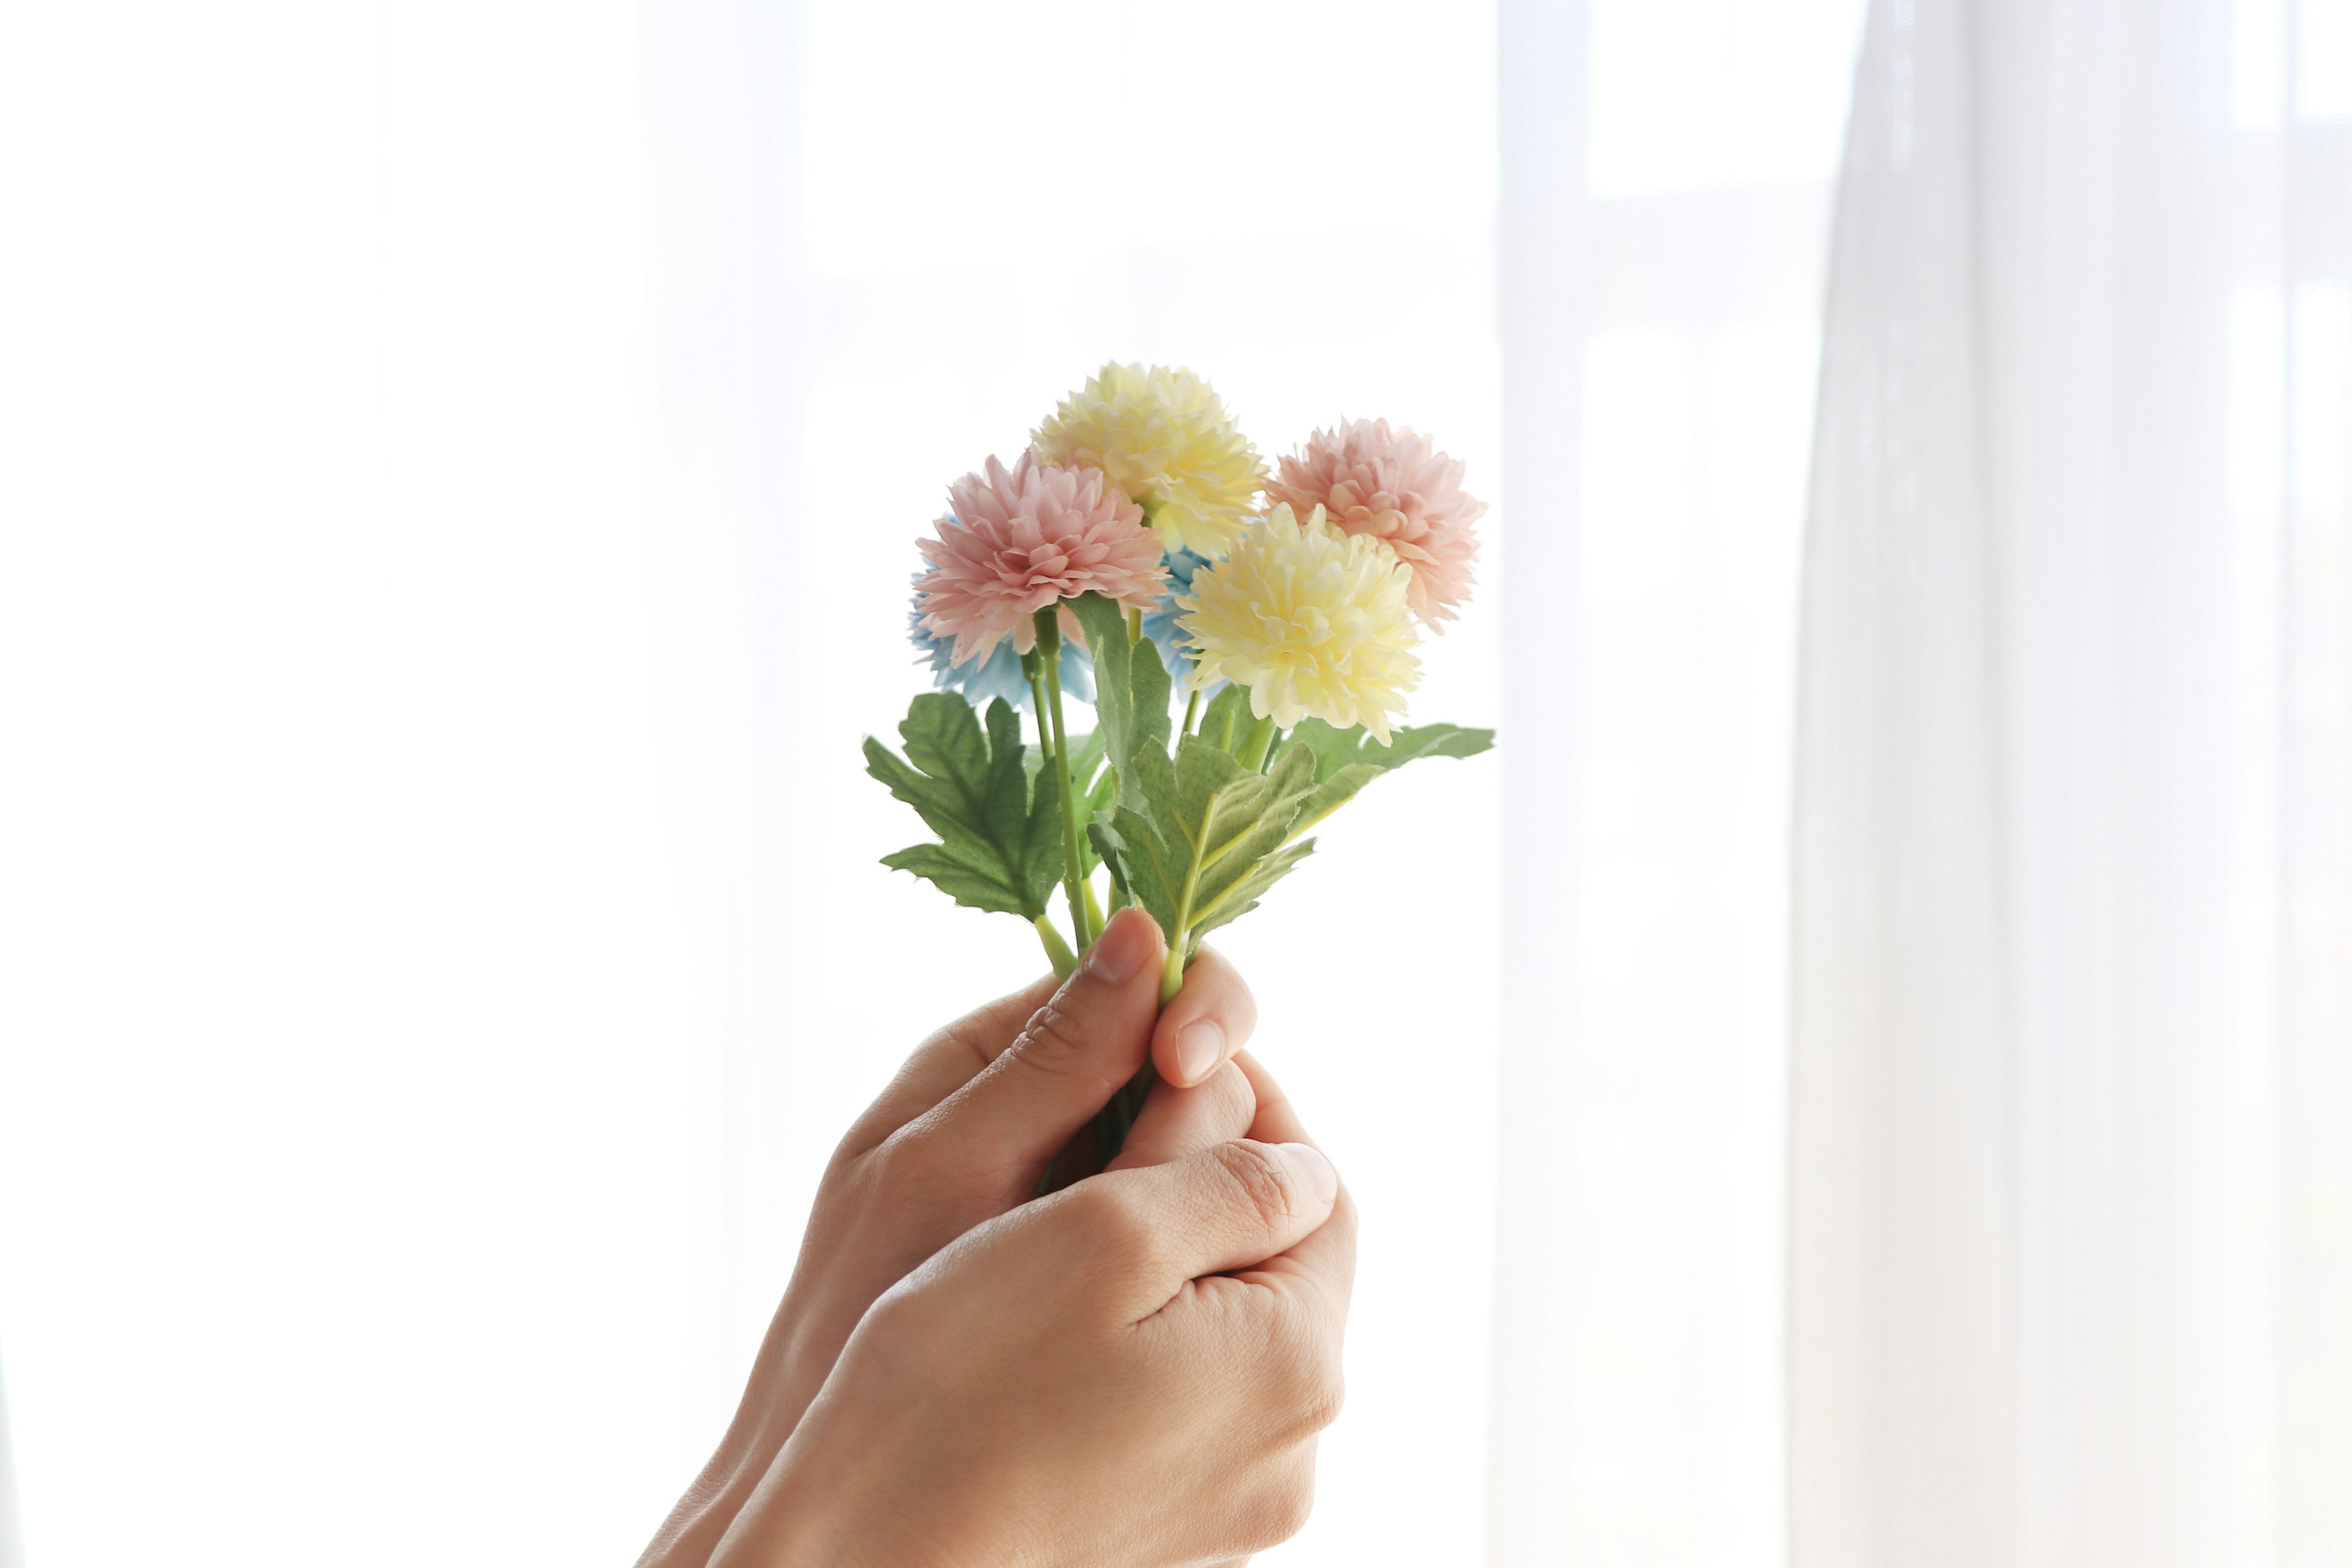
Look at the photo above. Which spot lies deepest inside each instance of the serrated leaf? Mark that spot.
(1243, 896)
(1147, 867)
(1211, 836)
(1348, 760)
(1272, 802)
(980, 883)
(998, 825)
(1132, 691)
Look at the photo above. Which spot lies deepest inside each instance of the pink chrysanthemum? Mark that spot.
(1018, 540)
(1395, 486)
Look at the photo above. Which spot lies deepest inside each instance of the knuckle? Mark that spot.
(1258, 1178)
(1281, 1505)
(1324, 1401)
(1055, 1042)
(1311, 1385)
(909, 1160)
(1109, 1227)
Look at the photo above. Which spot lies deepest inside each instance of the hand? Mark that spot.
(1078, 1384)
(961, 1135)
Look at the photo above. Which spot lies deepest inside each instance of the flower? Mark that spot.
(1167, 442)
(982, 680)
(1020, 539)
(1312, 620)
(1395, 486)
(1161, 622)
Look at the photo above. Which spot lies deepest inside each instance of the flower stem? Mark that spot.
(1192, 710)
(1058, 951)
(1035, 670)
(1134, 627)
(1171, 973)
(1073, 887)
(1253, 750)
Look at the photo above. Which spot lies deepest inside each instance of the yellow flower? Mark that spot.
(1312, 620)
(1165, 440)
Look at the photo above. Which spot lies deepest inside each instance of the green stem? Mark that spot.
(1035, 670)
(1253, 750)
(1049, 655)
(1191, 710)
(1134, 627)
(1171, 973)
(1058, 951)
(1094, 906)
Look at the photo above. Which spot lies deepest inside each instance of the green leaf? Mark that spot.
(1094, 782)
(1254, 816)
(1348, 760)
(1228, 721)
(1245, 895)
(1146, 868)
(1211, 838)
(997, 820)
(1132, 691)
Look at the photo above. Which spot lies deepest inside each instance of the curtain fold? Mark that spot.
(2068, 1223)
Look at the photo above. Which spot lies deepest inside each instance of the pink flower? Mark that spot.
(1019, 540)
(1395, 486)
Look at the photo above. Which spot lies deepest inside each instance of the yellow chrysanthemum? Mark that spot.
(1312, 620)
(1166, 440)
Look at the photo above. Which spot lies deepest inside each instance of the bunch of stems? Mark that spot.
(1043, 665)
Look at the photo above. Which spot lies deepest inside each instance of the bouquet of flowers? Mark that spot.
(1138, 553)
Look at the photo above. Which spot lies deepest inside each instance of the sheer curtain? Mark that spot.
(2071, 1222)
(1667, 174)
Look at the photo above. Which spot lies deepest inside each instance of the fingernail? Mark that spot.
(1200, 1047)
(1315, 1172)
(1124, 947)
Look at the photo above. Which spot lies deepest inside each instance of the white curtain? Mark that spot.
(2071, 1165)
(1668, 167)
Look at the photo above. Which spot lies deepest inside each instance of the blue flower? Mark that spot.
(1160, 621)
(982, 681)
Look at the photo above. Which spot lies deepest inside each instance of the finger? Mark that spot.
(1276, 1121)
(1318, 1272)
(1229, 1206)
(1175, 1123)
(947, 1061)
(1321, 1269)
(1210, 1019)
(1075, 1053)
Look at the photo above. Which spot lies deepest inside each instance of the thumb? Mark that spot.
(1075, 1053)
(1226, 1208)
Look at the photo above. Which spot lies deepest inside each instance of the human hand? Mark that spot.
(962, 1134)
(1078, 1384)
